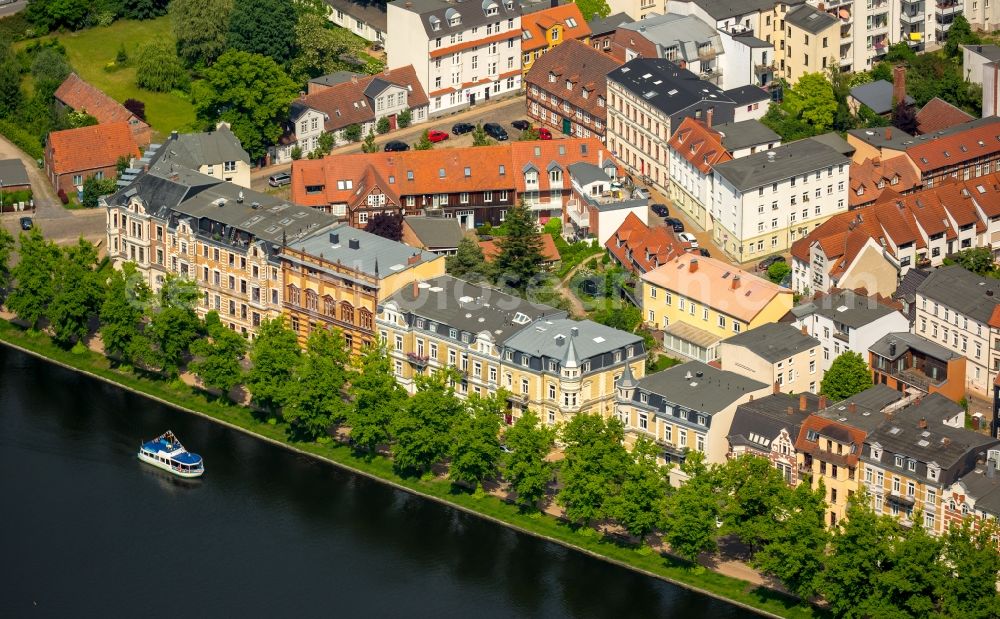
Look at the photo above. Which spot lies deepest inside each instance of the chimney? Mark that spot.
(922, 424)
(693, 266)
(354, 244)
(354, 79)
(805, 330)
(876, 161)
(574, 331)
(775, 388)
(898, 84)
(852, 408)
(334, 237)
(892, 348)
(415, 258)
(822, 6)
(888, 133)
(415, 288)
(708, 116)
(803, 402)
(790, 411)
(736, 282)
(822, 402)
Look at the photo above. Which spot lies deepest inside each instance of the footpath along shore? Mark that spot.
(707, 581)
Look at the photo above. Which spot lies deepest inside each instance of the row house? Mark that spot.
(599, 205)
(910, 363)
(338, 278)
(959, 310)
(847, 321)
(346, 100)
(686, 408)
(367, 20)
(639, 248)
(545, 29)
(975, 497)
(768, 427)
(474, 185)
(466, 52)
(567, 89)
(602, 30)
(870, 178)
(777, 354)
(543, 360)
(696, 302)
(963, 154)
(694, 149)
(763, 202)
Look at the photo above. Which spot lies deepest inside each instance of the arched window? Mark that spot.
(365, 318)
(312, 300)
(293, 295)
(346, 312)
(329, 306)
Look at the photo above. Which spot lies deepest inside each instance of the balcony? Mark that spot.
(763, 69)
(897, 497)
(706, 53)
(911, 17)
(948, 8)
(417, 360)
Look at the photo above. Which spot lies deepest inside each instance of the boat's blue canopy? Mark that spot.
(187, 458)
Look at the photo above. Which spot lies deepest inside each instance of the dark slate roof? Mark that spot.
(472, 14)
(608, 25)
(371, 13)
(834, 141)
(745, 95)
(436, 232)
(774, 341)
(846, 307)
(905, 341)
(964, 291)
(751, 41)
(877, 95)
(375, 87)
(780, 163)
(194, 150)
(745, 133)
(883, 137)
(992, 52)
(907, 288)
(758, 422)
(869, 405)
(810, 19)
(678, 88)
(542, 339)
(337, 77)
(722, 9)
(984, 488)
(709, 393)
(12, 172)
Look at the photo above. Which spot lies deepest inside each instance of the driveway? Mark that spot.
(704, 237)
(44, 195)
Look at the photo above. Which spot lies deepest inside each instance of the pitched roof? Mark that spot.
(938, 114)
(700, 145)
(363, 251)
(88, 148)
(847, 307)
(810, 19)
(669, 88)
(758, 422)
(870, 178)
(964, 145)
(990, 52)
(537, 23)
(983, 485)
(581, 64)
(712, 284)
(82, 96)
(905, 341)
(371, 13)
(436, 15)
(643, 248)
(774, 341)
(684, 33)
(549, 251)
(883, 137)
(609, 24)
(745, 133)
(877, 95)
(587, 339)
(747, 94)
(965, 292)
(193, 150)
(700, 387)
(770, 166)
(436, 232)
(721, 9)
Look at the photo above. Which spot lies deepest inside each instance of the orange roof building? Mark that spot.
(550, 253)
(694, 148)
(961, 154)
(550, 27)
(871, 178)
(74, 155)
(641, 248)
(81, 96)
(937, 114)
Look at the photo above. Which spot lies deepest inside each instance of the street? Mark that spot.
(11, 8)
(63, 227)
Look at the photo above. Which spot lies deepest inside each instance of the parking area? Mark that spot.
(703, 238)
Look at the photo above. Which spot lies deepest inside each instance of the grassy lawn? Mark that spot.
(586, 540)
(90, 50)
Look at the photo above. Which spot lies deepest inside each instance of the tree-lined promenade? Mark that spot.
(614, 499)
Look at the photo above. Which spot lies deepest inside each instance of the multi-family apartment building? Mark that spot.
(217, 153)
(567, 89)
(694, 149)
(338, 278)
(597, 208)
(913, 364)
(811, 43)
(777, 354)
(768, 427)
(640, 248)
(958, 310)
(847, 321)
(686, 408)
(763, 202)
(474, 185)
(462, 52)
(696, 302)
(545, 29)
(975, 497)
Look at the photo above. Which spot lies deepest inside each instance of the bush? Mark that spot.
(352, 133)
(383, 125)
(159, 69)
(16, 28)
(136, 107)
(404, 119)
(122, 56)
(21, 138)
(296, 153)
(62, 196)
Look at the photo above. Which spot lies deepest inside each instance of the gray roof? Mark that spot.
(371, 13)
(375, 87)
(759, 421)
(586, 173)
(685, 32)
(744, 95)
(471, 12)
(193, 150)
(846, 307)
(608, 24)
(722, 9)
(774, 341)
(337, 77)
(436, 232)
(470, 307)
(869, 405)
(984, 488)
(877, 95)
(991, 52)
(779, 163)
(834, 141)
(677, 89)
(910, 341)
(751, 41)
(810, 19)
(543, 339)
(907, 288)
(883, 137)
(363, 251)
(963, 291)
(745, 133)
(12, 172)
(709, 392)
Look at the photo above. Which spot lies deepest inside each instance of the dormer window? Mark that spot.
(491, 8)
(552, 78)
(435, 23)
(894, 181)
(569, 85)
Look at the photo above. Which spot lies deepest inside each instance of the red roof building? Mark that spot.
(963, 154)
(938, 114)
(81, 96)
(550, 253)
(871, 178)
(74, 155)
(640, 248)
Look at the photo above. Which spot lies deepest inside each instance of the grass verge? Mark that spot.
(584, 540)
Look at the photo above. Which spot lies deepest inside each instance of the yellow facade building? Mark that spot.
(777, 354)
(546, 28)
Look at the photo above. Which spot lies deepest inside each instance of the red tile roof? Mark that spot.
(938, 114)
(699, 144)
(649, 247)
(90, 148)
(81, 96)
(346, 104)
(549, 250)
(896, 174)
(539, 22)
(961, 147)
(840, 432)
(581, 64)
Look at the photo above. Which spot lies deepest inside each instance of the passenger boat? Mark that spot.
(167, 453)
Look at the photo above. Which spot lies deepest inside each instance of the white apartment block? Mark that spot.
(463, 52)
(762, 203)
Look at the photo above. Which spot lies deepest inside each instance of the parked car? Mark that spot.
(544, 134)
(520, 124)
(674, 223)
(689, 238)
(26, 223)
(495, 131)
(660, 209)
(462, 128)
(279, 179)
(704, 252)
(766, 263)
(435, 135)
(396, 146)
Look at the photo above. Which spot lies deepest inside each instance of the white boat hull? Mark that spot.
(166, 467)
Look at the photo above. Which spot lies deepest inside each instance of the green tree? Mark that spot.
(377, 398)
(847, 376)
(53, 14)
(121, 314)
(49, 69)
(881, 71)
(10, 81)
(158, 68)
(386, 225)
(218, 357)
(795, 554)
(321, 46)
(7, 245)
(777, 271)
(422, 427)
(525, 467)
(754, 492)
(77, 294)
(909, 581)
(960, 33)
(265, 27)
(979, 260)
(424, 143)
(595, 465)
(77, 119)
(969, 589)
(201, 29)
(593, 8)
(640, 504)
(479, 137)
(404, 119)
(94, 188)
(369, 145)
(934, 75)
(382, 126)
(468, 263)
(251, 93)
(475, 441)
(274, 356)
(143, 9)
(325, 143)
(520, 251)
(900, 52)
(33, 274)
(529, 135)
(174, 326)
(812, 100)
(868, 118)
(689, 525)
(352, 132)
(316, 393)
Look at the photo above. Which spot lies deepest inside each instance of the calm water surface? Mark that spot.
(86, 530)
